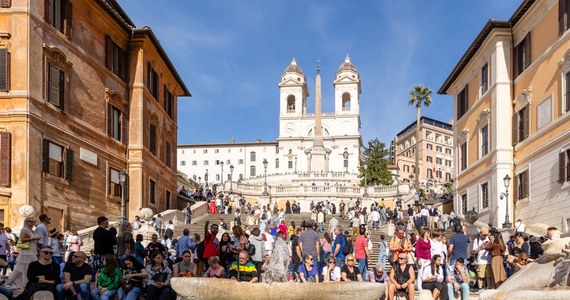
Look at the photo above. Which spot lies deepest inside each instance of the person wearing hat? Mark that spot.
(484, 258)
(54, 241)
(402, 278)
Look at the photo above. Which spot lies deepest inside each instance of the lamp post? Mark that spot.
(122, 182)
(265, 193)
(222, 164)
(365, 166)
(231, 178)
(206, 178)
(397, 178)
(507, 181)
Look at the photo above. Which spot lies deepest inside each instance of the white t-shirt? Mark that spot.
(439, 248)
(269, 240)
(484, 256)
(335, 274)
(426, 272)
(375, 216)
(520, 227)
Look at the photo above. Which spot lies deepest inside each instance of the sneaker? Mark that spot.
(11, 286)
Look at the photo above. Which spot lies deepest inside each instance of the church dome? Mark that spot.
(294, 68)
(347, 66)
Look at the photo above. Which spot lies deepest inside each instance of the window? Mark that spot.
(566, 95)
(522, 55)
(205, 151)
(152, 135)
(5, 3)
(5, 158)
(564, 166)
(485, 195)
(484, 78)
(448, 163)
(240, 176)
(521, 125)
(115, 58)
(167, 155)
(228, 162)
(240, 161)
(462, 102)
(448, 151)
(167, 199)
(438, 161)
(216, 150)
(205, 163)
(438, 174)
(429, 159)
(563, 16)
(252, 171)
(521, 185)
(429, 173)
(58, 14)
(55, 85)
(346, 163)
(438, 137)
(57, 160)
(217, 177)
(4, 70)
(406, 168)
(447, 177)
(115, 120)
(152, 192)
(277, 163)
(290, 104)
(152, 81)
(438, 149)
(217, 162)
(252, 156)
(276, 149)
(168, 102)
(194, 163)
(429, 146)
(544, 113)
(484, 140)
(114, 183)
(428, 135)
(290, 164)
(182, 162)
(463, 157)
(464, 204)
(229, 150)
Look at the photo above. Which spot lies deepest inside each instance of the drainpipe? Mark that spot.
(512, 109)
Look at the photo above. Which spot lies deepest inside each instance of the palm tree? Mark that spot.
(418, 96)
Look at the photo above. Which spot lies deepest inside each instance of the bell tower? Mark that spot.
(293, 91)
(347, 89)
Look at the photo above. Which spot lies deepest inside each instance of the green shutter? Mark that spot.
(69, 164)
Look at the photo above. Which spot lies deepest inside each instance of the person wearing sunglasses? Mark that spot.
(308, 271)
(402, 278)
(27, 255)
(330, 271)
(349, 272)
(77, 276)
(43, 275)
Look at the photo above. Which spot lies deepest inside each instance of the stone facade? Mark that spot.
(83, 87)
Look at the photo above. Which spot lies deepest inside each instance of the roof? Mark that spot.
(346, 66)
(293, 68)
(241, 144)
(481, 37)
(426, 120)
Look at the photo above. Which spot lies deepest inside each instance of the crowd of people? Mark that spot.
(318, 250)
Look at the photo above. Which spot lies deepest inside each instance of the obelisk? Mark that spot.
(318, 155)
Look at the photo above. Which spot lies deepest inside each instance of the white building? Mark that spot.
(289, 153)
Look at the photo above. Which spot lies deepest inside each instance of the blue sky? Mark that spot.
(231, 54)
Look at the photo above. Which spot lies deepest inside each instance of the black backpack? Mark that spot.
(347, 248)
(200, 249)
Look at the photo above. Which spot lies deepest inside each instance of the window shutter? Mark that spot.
(526, 121)
(527, 51)
(561, 16)
(61, 89)
(69, 164)
(108, 52)
(5, 3)
(124, 128)
(515, 119)
(47, 6)
(5, 158)
(109, 119)
(45, 156)
(526, 185)
(4, 70)
(123, 58)
(515, 188)
(68, 18)
(562, 167)
(53, 93)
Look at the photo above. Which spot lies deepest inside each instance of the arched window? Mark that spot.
(291, 104)
(252, 171)
(217, 177)
(346, 101)
(240, 176)
(252, 156)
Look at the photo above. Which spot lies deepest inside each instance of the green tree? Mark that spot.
(377, 159)
(419, 96)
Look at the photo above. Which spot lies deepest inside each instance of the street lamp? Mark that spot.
(206, 178)
(365, 183)
(122, 182)
(397, 178)
(222, 164)
(506, 181)
(265, 193)
(231, 178)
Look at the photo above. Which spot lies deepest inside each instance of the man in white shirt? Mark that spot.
(520, 226)
(484, 271)
(42, 231)
(375, 217)
(424, 213)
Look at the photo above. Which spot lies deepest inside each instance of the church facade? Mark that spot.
(335, 143)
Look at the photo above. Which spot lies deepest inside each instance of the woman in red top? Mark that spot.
(361, 252)
(283, 228)
(423, 247)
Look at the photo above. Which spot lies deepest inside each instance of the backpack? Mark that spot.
(200, 249)
(347, 248)
(251, 249)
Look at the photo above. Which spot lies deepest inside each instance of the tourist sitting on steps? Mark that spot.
(243, 269)
(432, 278)
(457, 280)
(402, 278)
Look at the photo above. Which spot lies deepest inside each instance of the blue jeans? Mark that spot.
(82, 289)
(320, 227)
(107, 295)
(464, 287)
(133, 294)
(6, 292)
(362, 267)
(188, 219)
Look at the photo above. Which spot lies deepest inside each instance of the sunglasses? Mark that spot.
(331, 261)
(47, 252)
(350, 260)
(311, 258)
(401, 258)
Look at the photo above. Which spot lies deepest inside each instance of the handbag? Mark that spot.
(126, 284)
(160, 277)
(23, 245)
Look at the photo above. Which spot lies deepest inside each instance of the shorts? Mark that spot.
(484, 271)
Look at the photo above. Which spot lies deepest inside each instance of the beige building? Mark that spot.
(435, 150)
(511, 93)
(85, 95)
